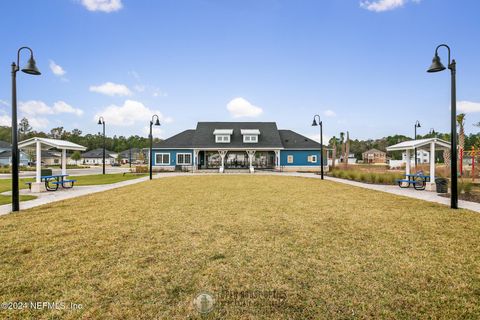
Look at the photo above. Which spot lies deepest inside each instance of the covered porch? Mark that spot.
(432, 145)
(237, 159)
(38, 144)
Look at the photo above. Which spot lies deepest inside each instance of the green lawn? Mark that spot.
(327, 250)
(6, 184)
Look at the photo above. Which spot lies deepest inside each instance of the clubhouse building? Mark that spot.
(224, 146)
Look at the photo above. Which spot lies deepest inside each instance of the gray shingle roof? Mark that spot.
(293, 140)
(268, 138)
(97, 153)
(182, 140)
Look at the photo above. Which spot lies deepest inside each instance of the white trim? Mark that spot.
(250, 136)
(184, 163)
(313, 158)
(162, 154)
(225, 138)
(288, 158)
(223, 131)
(255, 132)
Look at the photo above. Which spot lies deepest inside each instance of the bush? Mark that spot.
(141, 169)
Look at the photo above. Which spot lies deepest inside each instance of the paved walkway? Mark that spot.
(48, 197)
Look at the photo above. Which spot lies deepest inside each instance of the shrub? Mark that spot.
(141, 169)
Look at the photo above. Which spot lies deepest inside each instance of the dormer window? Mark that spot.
(221, 138)
(250, 135)
(222, 135)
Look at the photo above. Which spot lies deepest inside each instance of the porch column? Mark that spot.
(222, 154)
(195, 160)
(39, 162)
(64, 161)
(407, 167)
(432, 166)
(37, 186)
(250, 154)
(277, 159)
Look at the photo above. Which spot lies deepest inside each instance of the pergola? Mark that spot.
(40, 144)
(430, 145)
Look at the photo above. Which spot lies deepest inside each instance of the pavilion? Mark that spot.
(431, 144)
(40, 144)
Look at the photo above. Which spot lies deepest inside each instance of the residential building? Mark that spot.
(6, 155)
(237, 145)
(135, 155)
(374, 156)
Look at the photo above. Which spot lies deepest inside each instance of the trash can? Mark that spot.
(442, 185)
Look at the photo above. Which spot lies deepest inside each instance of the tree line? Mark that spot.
(91, 141)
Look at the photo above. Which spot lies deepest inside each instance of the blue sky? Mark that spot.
(359, 64)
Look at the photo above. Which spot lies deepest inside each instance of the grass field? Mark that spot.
(327, 251)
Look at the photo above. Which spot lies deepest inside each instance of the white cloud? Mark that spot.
(316, 137)
(102, 5)
(35, 107)
(330, 113)
(63, 107)
(468, 106)
(240, 107)
(139, 88)
(156, 131)
(112, 89)
(38, 123)
(57, 69)
(5, 120)
(384, 5)
(130, 113)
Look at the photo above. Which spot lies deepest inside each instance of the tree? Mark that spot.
(57, 133)
(76, 156)
(347, 149)
(24, 128)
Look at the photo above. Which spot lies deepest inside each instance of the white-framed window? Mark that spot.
(184, 158)
(162, 158)
(290, 158)
(250, 138)
(222, 138)
(312, 158)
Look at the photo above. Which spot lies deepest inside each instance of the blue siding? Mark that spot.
(300, 157)
(173, 155)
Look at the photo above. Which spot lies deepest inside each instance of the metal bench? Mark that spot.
(64, 183)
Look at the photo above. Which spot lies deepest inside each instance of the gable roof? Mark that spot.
(97, 153)
(293, 140)
(373, 150)
(47, 143)
(268, 138)
(182, 140)
(420, 144)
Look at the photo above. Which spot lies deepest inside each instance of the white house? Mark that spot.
(96, 157)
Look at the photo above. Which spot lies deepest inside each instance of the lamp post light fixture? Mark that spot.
(417, 125)
(437, 66)
(101, 121)
(157, 123)
(314, 124)
(30, 68)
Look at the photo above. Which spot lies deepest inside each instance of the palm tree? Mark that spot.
(347, 149)
(333, 143)
(461, 138)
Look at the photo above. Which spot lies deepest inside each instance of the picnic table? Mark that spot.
(52, 182)
(417, 180)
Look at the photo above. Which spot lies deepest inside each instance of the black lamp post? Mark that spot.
(157, 123)
(102, 122)
(314, 124)
(436, 67)
(30, 68)
(417, 125)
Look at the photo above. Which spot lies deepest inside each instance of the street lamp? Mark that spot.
(157, 123)
(102, 122)
(417, 125)
(30, 68)
(436, 67)
(314, 124)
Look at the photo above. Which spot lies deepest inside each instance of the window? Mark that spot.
(184, 158)
(162, 158)
(250, 138)
(222, 138)
(290, 158)
(312, 158)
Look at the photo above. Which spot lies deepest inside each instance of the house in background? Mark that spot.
(374, 156)
(237, 145)
(136, 155)
(96, 157)
(351, 159)
(6, 155)
(423, 156)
